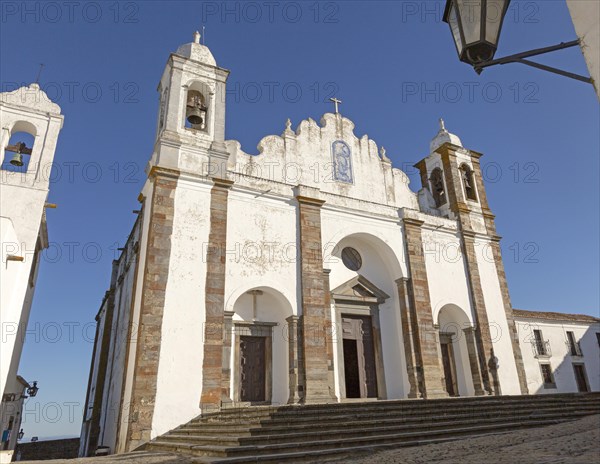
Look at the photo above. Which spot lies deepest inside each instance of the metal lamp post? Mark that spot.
(476, 27)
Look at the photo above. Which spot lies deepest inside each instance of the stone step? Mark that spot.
(279, 450)
(356, 431)
(403, 406)
(367, 413)
(324, 432)
(271, 428)
(337, 455)
(406, 403)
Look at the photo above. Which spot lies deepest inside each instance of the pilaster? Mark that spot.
(408, 318)
(296, 362)
(485, 347)
(155, 277)
(426, 349)
(226, 370)
(473, 361)
(314, 308)
(212, 365)
(329, 333)
(512, 327)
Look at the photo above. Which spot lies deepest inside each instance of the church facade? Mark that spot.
(308, 273)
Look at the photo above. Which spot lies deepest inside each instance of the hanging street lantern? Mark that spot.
(33, 389)
(476, 25)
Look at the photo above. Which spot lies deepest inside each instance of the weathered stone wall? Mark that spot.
(45, 450)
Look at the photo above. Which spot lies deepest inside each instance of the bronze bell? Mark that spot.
(17, 160)
(194, 115)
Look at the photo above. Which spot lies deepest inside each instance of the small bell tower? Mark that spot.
(452, 174)
(30, 124)
(191, 121)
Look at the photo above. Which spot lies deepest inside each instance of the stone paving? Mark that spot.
(576, 442)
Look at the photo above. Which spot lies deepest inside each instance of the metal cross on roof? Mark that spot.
(336, 102)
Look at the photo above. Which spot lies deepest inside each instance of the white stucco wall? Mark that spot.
(585, 14)
(29, 110)
(499, 332)
(179, 382)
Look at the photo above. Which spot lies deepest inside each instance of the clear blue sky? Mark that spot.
(394, 66)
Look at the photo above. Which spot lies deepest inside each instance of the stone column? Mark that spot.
(212, 365)
(296, 363)
(329, 333)
(485, 348)
(512, 327)
(103, 347)
(314, 317)
(226, 371)
(438, 344)
(424, 336)
(156, 272)
(488, 218)
(408, 316)
(473, 361)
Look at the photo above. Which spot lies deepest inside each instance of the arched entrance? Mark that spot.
(368, 355)
(259, 347)
(357, 314)
(458, 353)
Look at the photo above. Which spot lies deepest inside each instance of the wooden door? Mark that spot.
(449, 370)
(580, 378)
(252, 369)
(360, 372)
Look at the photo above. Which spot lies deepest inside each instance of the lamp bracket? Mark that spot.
(520, 58)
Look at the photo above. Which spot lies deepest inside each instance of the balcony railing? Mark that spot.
(575, 349)
(541, 349)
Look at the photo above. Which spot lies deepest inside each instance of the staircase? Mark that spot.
(317, 433)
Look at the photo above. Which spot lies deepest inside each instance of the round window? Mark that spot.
(351, 259)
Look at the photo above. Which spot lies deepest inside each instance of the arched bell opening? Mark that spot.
(468, 181)
(18, 150)
(196, 108)
(438, 190)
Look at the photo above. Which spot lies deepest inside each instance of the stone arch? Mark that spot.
(380, 266)
(24, 126)
(459, 358)
(263, 312)
(373, 241)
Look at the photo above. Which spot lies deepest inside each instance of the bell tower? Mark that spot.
(187, 182)
(452, 174)
(191, 121)
(30, 124)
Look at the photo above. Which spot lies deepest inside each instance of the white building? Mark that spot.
(26, 116)
(307, 273)
(585, 14)
(561, 352)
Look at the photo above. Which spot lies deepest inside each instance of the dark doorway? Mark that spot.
(351, 369)
(449, 369)
(581, 378)
(252, 369)
(360, 372)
